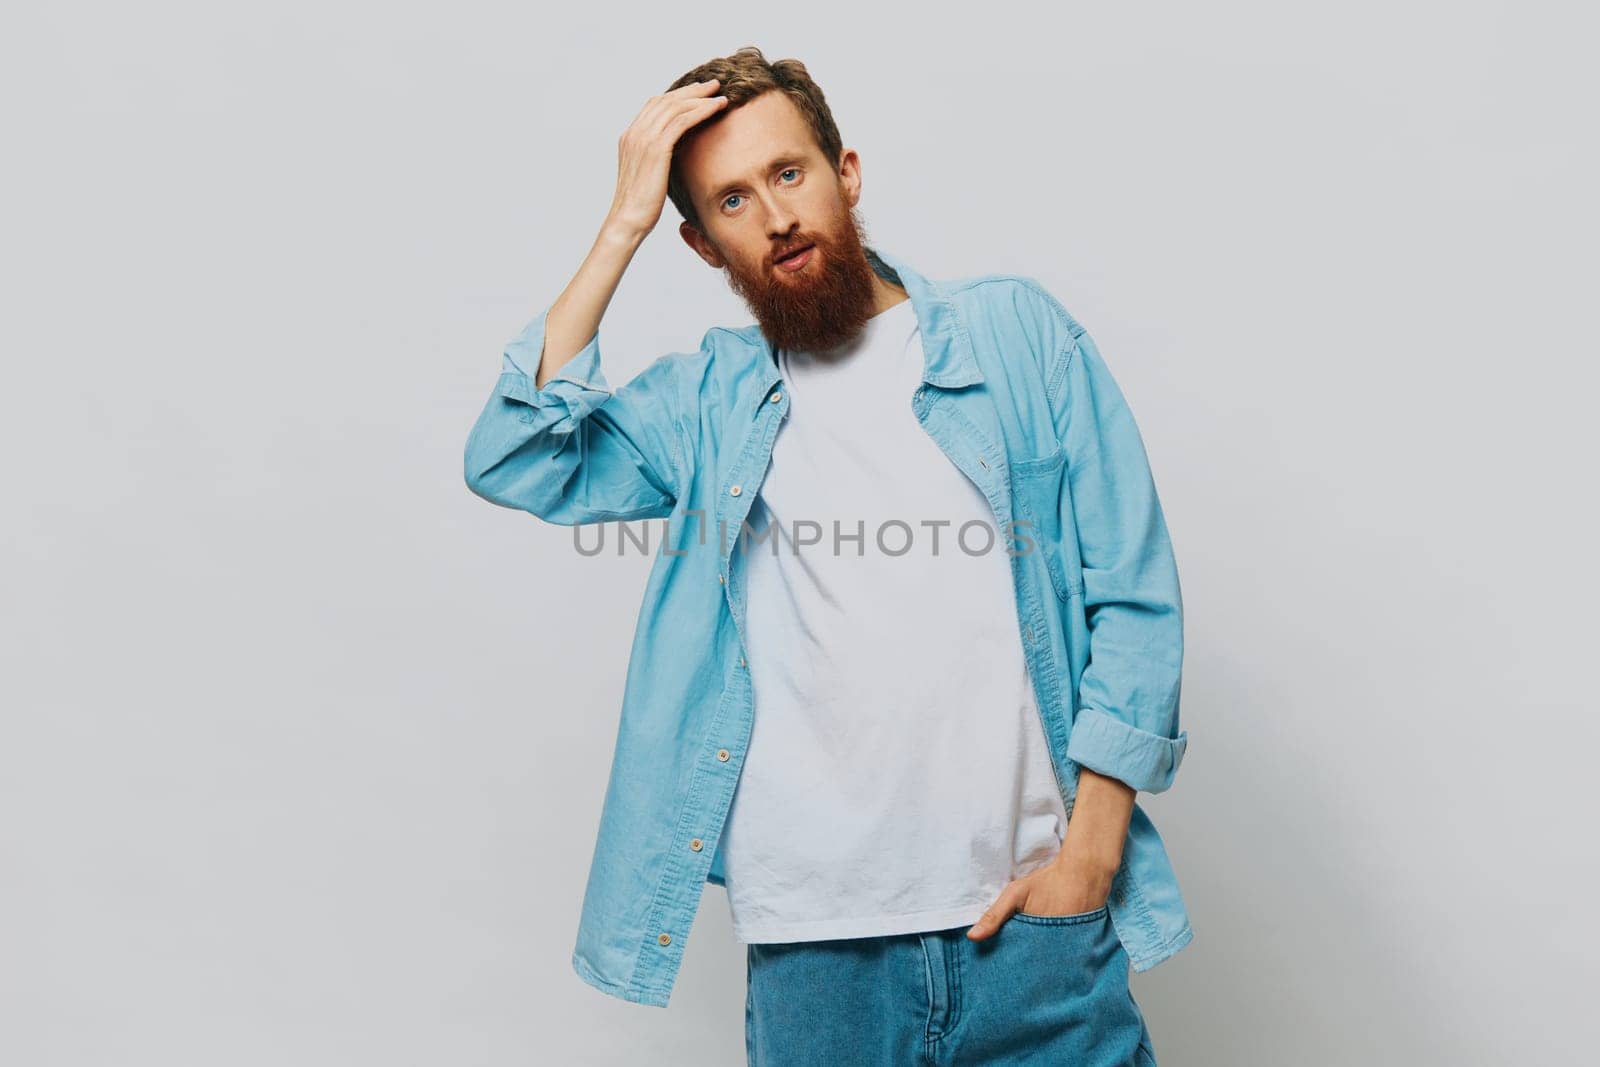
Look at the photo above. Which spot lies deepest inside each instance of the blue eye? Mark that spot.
(787, 170)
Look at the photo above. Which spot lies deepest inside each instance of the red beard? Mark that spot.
(822, 305)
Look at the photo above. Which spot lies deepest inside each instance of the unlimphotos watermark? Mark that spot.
(891, 537)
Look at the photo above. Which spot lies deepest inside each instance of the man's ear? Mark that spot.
(702, 247)
(850, 176)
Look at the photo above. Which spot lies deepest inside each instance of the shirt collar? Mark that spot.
(947, 350)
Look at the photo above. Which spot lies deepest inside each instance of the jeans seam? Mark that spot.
(749, 1009)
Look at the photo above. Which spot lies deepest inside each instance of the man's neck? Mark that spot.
(885, 295)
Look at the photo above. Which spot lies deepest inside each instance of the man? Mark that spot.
(909, 752)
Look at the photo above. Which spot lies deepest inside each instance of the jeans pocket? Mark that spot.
(1080, 918)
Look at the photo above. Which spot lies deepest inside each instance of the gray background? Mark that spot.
(304, 745)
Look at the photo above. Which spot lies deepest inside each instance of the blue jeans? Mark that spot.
(1043, 989)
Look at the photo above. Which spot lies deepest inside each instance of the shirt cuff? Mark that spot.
(1109, 746)
(567, 398)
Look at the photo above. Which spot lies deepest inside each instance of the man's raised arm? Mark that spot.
(554, 439)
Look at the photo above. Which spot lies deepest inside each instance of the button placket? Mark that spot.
(724, 577)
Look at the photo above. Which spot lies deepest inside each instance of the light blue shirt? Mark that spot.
(1016, 394)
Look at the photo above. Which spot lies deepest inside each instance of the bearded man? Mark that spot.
(905, 731)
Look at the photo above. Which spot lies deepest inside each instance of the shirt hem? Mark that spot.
(877, 926)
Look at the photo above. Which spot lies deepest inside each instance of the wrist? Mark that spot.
(1098, 863)
(618, 232)
(1096, 854)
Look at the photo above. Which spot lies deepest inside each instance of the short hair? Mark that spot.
(743, 76)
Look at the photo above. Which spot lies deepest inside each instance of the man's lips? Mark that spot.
(795, 259)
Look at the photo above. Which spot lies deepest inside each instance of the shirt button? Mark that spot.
(735, 491)
(665, 939)
(775, 397)
(741, 661)
(697, 844)
(720, 578)
(722, 754)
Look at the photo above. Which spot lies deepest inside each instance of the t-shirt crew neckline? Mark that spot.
(869, 330)
(883, 318)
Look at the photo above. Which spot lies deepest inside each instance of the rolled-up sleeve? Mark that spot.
(1126, 723)
(577, 451)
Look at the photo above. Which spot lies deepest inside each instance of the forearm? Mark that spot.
(1098, 825)
(555, 439)
(575, 315)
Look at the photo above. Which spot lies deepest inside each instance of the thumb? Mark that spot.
(1009, 902)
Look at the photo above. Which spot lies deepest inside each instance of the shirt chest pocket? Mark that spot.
(1042, 502)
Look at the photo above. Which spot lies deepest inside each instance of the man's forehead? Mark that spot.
(750, 138)
(727, 167)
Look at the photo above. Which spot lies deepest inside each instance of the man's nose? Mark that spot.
(781, 220)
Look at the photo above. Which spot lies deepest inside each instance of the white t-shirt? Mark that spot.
(897, 776)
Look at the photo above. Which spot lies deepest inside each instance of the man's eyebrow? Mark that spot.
(781, 161)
